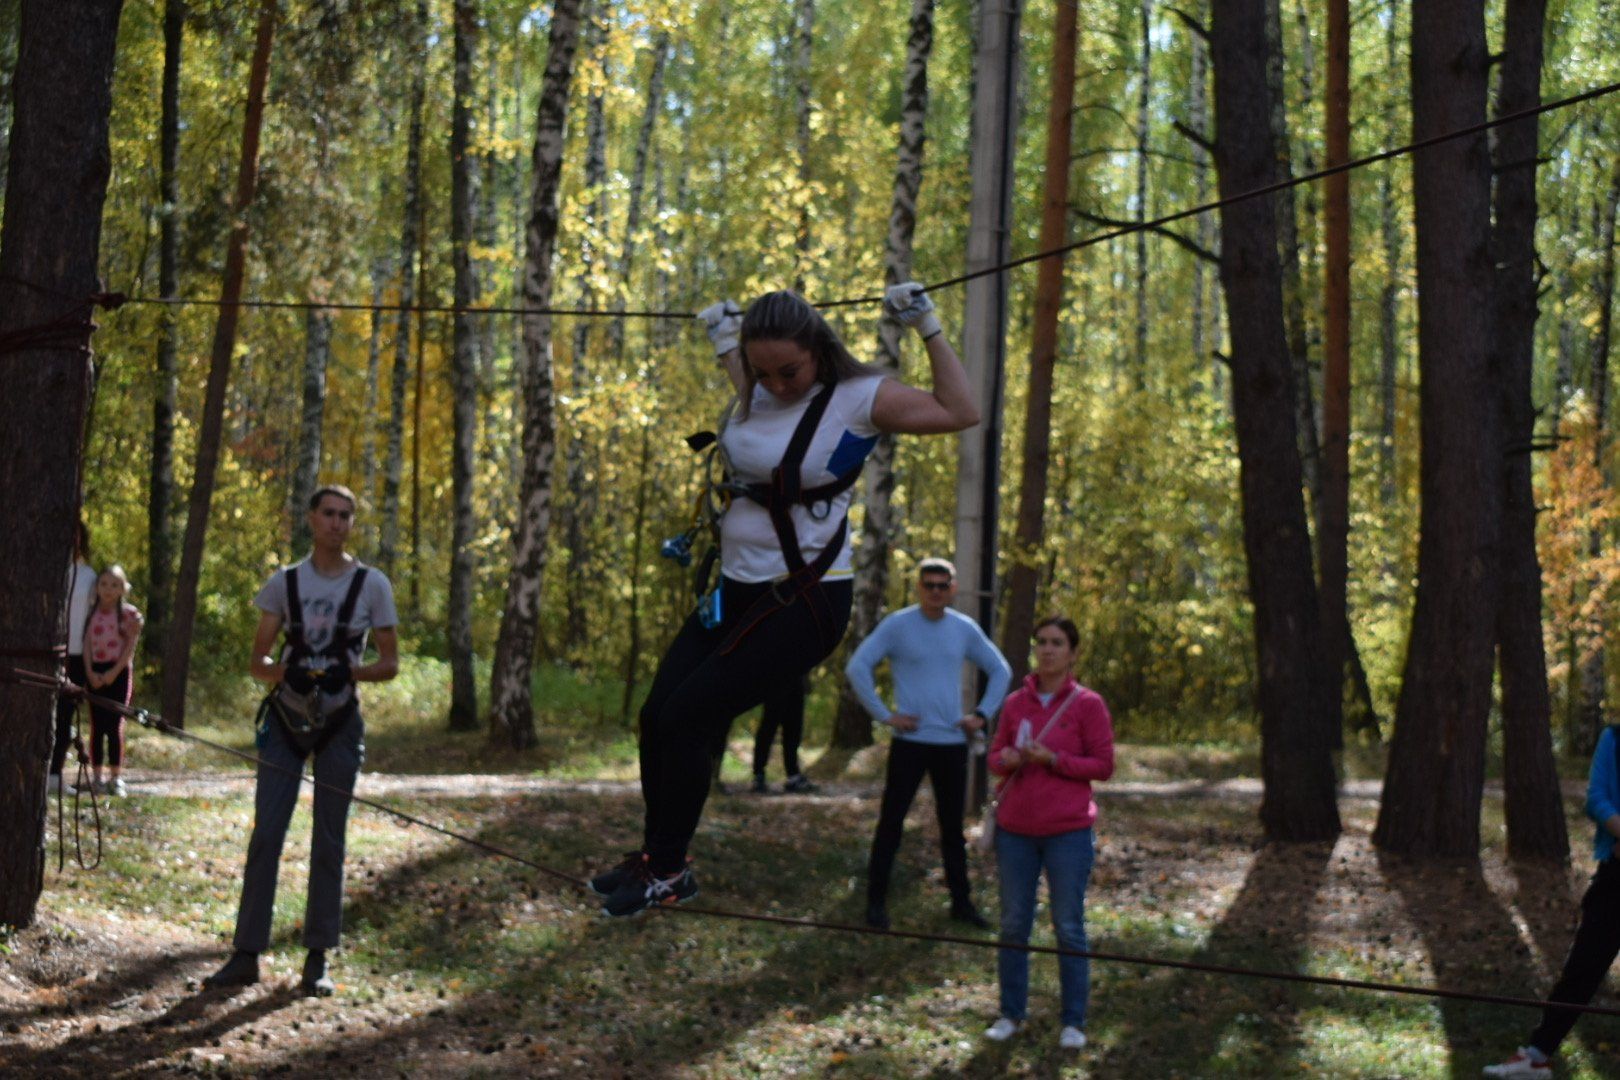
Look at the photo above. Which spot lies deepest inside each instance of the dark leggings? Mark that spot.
(1596, 944)
(107, 726)
(699, 690)
(65, 707)
(783, 709)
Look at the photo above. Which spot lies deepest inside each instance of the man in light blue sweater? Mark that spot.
(926, 645)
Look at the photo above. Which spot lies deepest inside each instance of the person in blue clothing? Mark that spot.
(926, 645)
(1597, 939)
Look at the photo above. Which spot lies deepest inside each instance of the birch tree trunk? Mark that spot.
(1436, 768)
(804, 20)
(177, 660)
(1532, 803)
(394, 459)
(160, 495)
(852, 728)
(1030, 530)
(1296, 757)
(463, 376)
(307, 467)
(56, 183)
(511, 710)
(634, 198)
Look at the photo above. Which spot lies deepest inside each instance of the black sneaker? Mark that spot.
(607, 882)
(966, 913)
(646, 889)
(316, 982)
(759, 787)
(798, 784)
(242, 969)
(877, 916)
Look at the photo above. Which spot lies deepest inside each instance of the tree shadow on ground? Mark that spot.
(1473, 944)
(1176, 1021)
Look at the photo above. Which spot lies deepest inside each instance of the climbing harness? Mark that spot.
(311, 719)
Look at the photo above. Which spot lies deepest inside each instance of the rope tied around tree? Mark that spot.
(157, 723)
(69, 331)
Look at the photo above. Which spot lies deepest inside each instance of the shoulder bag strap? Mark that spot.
(1059, 711)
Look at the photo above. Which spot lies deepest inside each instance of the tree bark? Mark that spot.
(394, 458)
(160, 495)
(56, 180)
(1437, 759)
(852, 728)
(368, 489)
(1144, 98)
(634, 197)
(177, 660)
(1030, 530)
(511, 710)
(1389, 295)
(1205, 319)
(464, 378)
(804, 23)
(306, 471)
(1296, 758)
(1532, 803)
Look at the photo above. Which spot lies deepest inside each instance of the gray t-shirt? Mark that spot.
(321, 597)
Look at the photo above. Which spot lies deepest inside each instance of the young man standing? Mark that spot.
(319, 663)
(926, 645)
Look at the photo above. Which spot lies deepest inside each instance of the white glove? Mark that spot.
(723, 321)
(908, 303)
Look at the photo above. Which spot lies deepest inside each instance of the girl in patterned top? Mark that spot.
(110, 634)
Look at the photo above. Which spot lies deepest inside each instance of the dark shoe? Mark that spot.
(644, 889)
(607, 883)
(242, 969)
(798, 784)
(877, 916)
(967, 913)
(759, 787)
(316, 982)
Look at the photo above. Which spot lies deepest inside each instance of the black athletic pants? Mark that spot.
(65, 707)
(700, 690)
(946, 768)
(1596, 944)
(784, 709)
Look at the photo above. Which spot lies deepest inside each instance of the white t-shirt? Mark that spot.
(749, 549)
(81, 594)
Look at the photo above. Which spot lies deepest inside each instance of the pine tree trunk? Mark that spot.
(852, 728)
(1436, 768)
(1030, 531)
(464, 378)
(160, 495)
(56, 181)
(306, 471)
(511, 710)
(177, 660)
(1296, 757)
(394, 458)
(1594, 678)
(1532, 804)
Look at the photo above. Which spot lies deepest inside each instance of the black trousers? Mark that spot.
(946, 768)
(784, 710)
(65, 707)
(700, 689)
(1596, 944)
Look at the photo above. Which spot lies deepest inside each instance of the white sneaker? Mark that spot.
(117, 788)
(53, 786)
(1072, 1038)
(1002, 1030)
(1519, 1065)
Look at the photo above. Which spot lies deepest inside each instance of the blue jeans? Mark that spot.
(1067, 858)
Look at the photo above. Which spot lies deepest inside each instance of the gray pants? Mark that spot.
(275, 795)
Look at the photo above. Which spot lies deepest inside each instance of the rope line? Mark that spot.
(157, 723)
(1135, 227)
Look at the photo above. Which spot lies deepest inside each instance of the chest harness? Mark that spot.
(778, 496)
(309, 720)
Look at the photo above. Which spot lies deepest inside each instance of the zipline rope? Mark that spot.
(147, 719)
(1125, 230)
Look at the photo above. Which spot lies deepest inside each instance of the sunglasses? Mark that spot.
(935, 586)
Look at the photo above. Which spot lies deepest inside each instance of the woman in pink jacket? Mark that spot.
(1053, 739)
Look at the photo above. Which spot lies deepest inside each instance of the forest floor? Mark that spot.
(459, 964)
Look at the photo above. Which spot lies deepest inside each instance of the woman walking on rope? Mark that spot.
(110, 634)
(1054, 739)
(807, 415)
